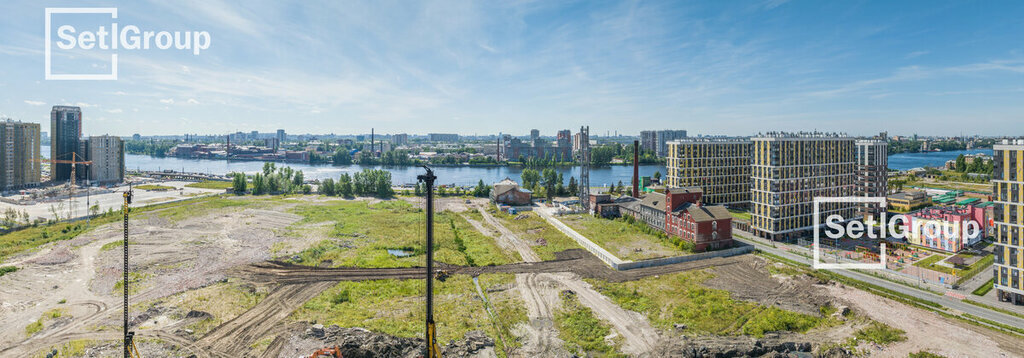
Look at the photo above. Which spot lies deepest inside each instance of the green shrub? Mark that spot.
(880, 333)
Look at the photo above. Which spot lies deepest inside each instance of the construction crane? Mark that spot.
(431, 335)
(130, 351)
(75, 162)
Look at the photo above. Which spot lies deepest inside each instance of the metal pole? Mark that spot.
(127, 335)
(431, 337)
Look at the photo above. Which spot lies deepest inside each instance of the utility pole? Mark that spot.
(431, 335)
(127, 335)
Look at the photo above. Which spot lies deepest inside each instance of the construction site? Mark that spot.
(307, 275)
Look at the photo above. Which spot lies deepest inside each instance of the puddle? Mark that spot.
(399, 253)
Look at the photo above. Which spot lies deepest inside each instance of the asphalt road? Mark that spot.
(945, 301)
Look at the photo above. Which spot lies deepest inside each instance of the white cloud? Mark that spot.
(167, 101)
(115, 110)
(192, 101)
(85, 105)
(35, 103)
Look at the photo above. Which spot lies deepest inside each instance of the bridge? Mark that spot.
(174, 175)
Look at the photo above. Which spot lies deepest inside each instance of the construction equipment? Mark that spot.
(75, 162)
(431, 335)
(130, 351)
(330, 352)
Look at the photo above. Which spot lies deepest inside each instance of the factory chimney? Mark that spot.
(636, 169)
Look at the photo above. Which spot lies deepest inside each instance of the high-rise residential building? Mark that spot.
(19, 155)
(534, 135)
(400, 139)
(280, 135)
(649, 141)
(719, 166)
(872, 173)
(65, 133)
(788, 170)
(1008, 216)
(106, 153)
(656, 141)
(443, 137)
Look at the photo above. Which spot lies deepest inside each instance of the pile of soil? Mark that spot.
(359, 343)
(768, 346)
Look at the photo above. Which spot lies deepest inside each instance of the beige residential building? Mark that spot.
(719, 166)
(19, 155)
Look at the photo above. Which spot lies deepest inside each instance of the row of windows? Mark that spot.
(1010, 235)
(803, 152)
(1008, 255)
(790, 223)
(1007, 277)
(1009, 213)
(1009, 192)
(820, 170)
(1007, 164)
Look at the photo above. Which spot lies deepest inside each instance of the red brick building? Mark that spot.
(707, 227)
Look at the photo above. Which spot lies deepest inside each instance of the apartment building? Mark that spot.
(719, 166)
(66, 132)
(107, 156)
(788, 170)
(872, 173)
(1008, 216)
(19, 155)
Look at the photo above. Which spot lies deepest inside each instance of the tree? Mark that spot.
(259, 186)
(481, 190)
(268, 168)
(573, 186)
(327, 187)
(961, 163)
(238, 183)
(621, 188)
(94, 210)
(345, 185)
(417, 191)
(297, 179)
(657, 175)
(342, 157)
(530, 178)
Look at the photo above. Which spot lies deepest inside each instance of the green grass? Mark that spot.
(925, 354)
(198, 207)
(620, 237)
(362, 233)
(929, 263)
(396, 307)
(153, 187)
(114, 245)
(7, 269)
(582, 332)
(682, 298)
(976, 268)
(880, 333)
(34, 327)
(223, 300)
(984, 288)
(73, 348)
(535, 230)
(740, 214)
(135, 287)
(211, 184)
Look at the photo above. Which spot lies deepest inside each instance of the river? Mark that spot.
(464, 175)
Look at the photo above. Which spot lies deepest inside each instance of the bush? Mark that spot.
(7, 269)
(880, 333)
(340, 297)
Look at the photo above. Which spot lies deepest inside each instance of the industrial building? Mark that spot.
(443, 137)
(107, 156)
(19, 155)
(678, 212)
(788, 170)
(719, 166)
(512, 148)
(1008, 190)
(872, 173)
(508, 192)
(65, 132)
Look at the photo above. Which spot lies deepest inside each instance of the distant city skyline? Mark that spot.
(480, 68)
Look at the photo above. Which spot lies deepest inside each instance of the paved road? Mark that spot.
(946, 301)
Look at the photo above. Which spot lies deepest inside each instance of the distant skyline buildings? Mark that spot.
(66, 131)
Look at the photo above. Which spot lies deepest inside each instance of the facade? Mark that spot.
(649, 141)
(872, 173)
(65, 133)
(19, 155)
(1008, 190)
(942, 228)
(534, 135)
(400, 139)
(512, 148)
(107, 155)
(656, 141)
(905, 201)
(707, 227)
(443, 137)
(720, 167)
(508, 192)
(788, 170)
(650, 209)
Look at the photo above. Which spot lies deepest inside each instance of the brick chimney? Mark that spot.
(636, 169)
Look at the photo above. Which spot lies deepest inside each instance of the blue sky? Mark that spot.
(474, 67)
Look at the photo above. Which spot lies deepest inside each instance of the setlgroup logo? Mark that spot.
(832, 219)
(87, 41)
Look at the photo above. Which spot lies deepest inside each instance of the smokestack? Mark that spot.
(636, 169)
(229, 145)
(372, 148)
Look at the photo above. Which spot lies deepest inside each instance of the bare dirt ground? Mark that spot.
(749, 280)
(927, 331)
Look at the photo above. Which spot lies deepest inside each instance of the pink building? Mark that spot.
(934, 227)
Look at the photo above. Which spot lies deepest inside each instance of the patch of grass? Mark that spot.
(925, 354)
(544, 238)
(73, 348)
(363, 232)
(135, 286)
(194, 208)
(211, 184)
(54, 313)
(582, 332)
(740, 214)
(880, 333)
(976, 268)
(114, 245)
(396, 307)
(224, 301)
(681, 298)
(34, 327)
(153, 187)
(619, 237)
(7, 269)
(984, 288)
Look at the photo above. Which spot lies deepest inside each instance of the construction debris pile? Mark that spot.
(359, 342)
